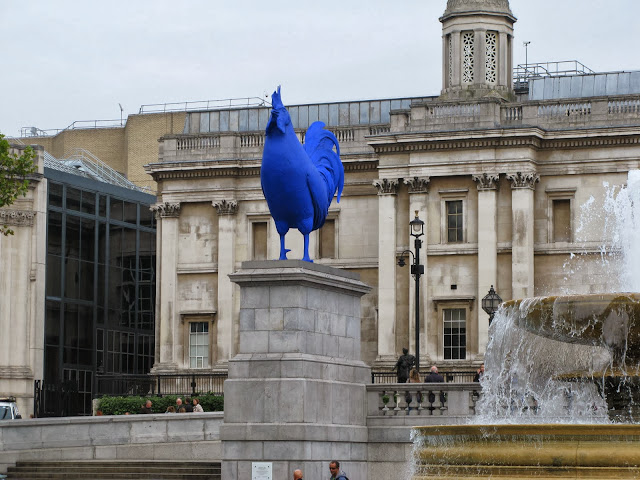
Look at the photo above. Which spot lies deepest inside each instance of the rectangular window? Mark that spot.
(562, 220)
(454, 221)
(199, 344)
(259, 240)
(327, 239)
(455, 334)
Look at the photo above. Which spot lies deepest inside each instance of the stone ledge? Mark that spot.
(293, 431)
(299, 273)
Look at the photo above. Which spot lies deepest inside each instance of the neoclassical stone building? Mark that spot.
(497, 174)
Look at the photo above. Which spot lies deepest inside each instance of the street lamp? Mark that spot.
(417, 270)
(490, 303)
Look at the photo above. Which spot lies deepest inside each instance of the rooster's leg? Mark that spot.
(283, 251)
(306, 257)
(282, 228)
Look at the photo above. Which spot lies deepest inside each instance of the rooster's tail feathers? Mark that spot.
(319, 143)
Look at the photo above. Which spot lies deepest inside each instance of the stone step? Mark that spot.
(113, 476)
(116, 470)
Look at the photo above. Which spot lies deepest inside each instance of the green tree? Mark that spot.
(14, 170)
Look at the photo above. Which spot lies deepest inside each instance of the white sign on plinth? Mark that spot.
(261, 471)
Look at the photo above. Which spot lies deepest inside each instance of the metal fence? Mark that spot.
(59, 400)
(175, 384)
(454, 376)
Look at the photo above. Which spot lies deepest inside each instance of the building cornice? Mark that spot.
(535, 138)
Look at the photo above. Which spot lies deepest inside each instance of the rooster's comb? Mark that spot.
(276, 102)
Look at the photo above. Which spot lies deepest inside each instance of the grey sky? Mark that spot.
(68, 60)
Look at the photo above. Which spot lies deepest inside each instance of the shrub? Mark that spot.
(122, 405)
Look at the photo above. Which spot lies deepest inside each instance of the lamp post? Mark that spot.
(490, 303)
(417, 270)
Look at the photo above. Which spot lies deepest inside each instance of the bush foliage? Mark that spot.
(122, 405)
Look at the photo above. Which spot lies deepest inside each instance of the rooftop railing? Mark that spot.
(204, 105)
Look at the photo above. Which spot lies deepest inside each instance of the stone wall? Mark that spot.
(136, 437)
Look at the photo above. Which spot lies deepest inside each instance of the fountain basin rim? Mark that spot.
(532, 429)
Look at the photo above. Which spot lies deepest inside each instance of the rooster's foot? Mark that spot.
(283, 254)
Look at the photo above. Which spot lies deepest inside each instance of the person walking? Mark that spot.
(297, 474)
(336, 473)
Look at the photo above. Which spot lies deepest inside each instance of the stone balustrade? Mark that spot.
(248, 145)
(424, 116)
(423, 400)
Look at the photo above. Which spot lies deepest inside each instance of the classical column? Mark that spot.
(504, 75)
(15, 318)
(418, 191)
(167, 283)
(387, 192)
(226, 261)
(456, 59)
(487, 184)
(522, 207)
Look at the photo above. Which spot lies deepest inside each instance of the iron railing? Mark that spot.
(58, 400)
(525, 71)
(166, 384)
(204, 105)
(454, 376)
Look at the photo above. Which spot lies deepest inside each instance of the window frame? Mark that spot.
(444, 334)
(447, 196)
(463, 302)
(554, 194)
(332, 216)
(251, 220)
(199, 335)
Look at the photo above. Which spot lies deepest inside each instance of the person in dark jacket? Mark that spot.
(479, 374)
(146, 408)
(434, 376)
(336, 473)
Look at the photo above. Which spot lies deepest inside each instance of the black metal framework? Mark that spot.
(171, 384)
(450, 376)
(416, 231)
(100, 288)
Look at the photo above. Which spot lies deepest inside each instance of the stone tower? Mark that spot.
(477, 42)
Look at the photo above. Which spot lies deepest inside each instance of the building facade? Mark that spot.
(496, 175)
(497, 166)
(83, 257)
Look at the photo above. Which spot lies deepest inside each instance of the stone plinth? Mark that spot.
(296, 390)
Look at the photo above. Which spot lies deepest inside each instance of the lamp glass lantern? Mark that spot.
(417, 226)
(491, 302)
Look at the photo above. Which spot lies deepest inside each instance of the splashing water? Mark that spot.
(622, 215)
(523, 382)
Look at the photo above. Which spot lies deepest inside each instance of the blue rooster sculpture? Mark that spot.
(299, 182)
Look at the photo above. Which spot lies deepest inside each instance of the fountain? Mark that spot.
(561, 393)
